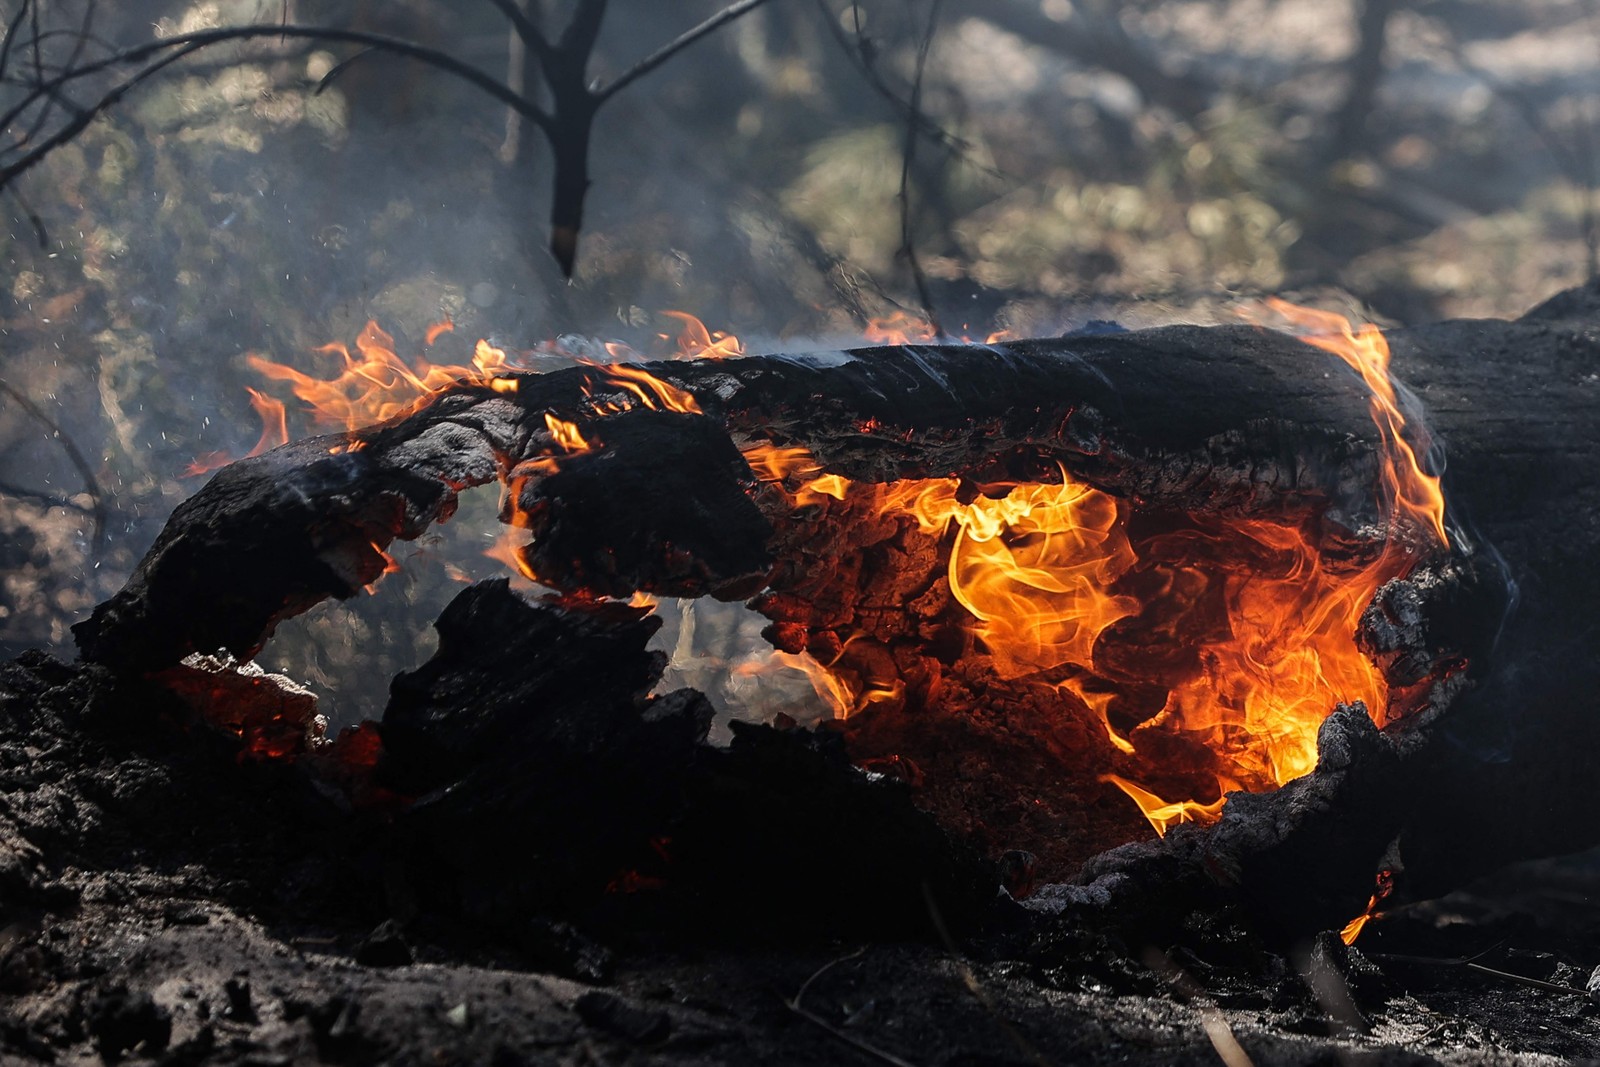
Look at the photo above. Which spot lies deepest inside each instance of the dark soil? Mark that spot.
(166, 902)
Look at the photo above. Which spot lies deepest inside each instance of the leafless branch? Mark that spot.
(567, 124)
(33, 217)
(11, 35)
(676, 45)
(163, 53)
(1098, 39)
(91, 484)
(527, 31)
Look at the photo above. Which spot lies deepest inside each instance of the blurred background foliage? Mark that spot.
(1147, 161)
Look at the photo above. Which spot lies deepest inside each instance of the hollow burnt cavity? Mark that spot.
(808, 481)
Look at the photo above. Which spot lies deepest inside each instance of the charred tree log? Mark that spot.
(1207, 419)
(1230, 420)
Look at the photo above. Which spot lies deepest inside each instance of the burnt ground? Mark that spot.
(166, 902)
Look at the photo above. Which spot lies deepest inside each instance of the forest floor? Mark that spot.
(167, 905)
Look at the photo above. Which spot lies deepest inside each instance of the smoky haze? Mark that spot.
(1073, 160)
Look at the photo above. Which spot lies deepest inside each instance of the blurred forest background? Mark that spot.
(1070, 160)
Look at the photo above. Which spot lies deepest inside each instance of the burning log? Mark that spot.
(779, 472)
(310, 520)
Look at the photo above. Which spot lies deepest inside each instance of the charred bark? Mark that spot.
(1226, 419)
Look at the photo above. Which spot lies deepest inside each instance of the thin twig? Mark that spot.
(32, 216)
(970, 979)
(1212, 1021)
(190, 42)
(676, 45)
(11, 35)
(90, 483)
(908, 244)
(1536, 983)
(1471, 963)
(824, 969)
(80, 41)
(794, 1005)
(862, 56)
(338, 69)
(527, 31)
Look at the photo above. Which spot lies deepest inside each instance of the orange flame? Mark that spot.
(389, 567)
(1414, 493)
(274, 432)
(645, 388)
(1353, 928)
(566, 434)
(828, 687)
(899, 329)
(1047, 571)
(798, 469)
(1165, 814)
(375, 383)
(697, 342)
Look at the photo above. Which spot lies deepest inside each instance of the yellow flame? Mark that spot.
(697, 342)
(1164, 815)
(1353, 928)
(566, 434)
(1414, 493)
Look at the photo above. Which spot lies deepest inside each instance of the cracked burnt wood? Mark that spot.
(1231, 419)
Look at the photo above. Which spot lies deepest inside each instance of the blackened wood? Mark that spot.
(1232, 418)
(509, 675)
(272, 536)
(554, 781)
(663, 499)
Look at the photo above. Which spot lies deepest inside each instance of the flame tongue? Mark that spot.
(1411, 495)
(374, 383)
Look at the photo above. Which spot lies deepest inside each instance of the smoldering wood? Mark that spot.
(548, 779)
(1231, 419)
